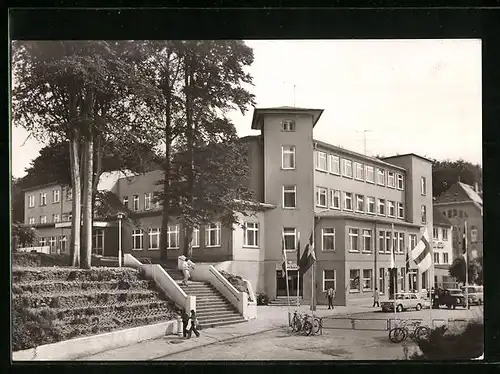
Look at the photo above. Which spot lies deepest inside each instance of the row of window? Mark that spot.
(330, 163)
(56, 197)
(435, 233)
(362, 280)
(58, 244)
(147, 201)
(212, 237)
(358, 202)
(444, 256)
(452, 213)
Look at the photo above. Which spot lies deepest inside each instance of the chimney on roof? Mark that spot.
(476, 188)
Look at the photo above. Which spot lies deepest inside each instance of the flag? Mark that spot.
(407, 261)
(393, 262)
(283, 251)
(464, 242)
(421, 254)
(308, 257)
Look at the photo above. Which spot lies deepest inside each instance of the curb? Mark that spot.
(89, 345)
(211, 343)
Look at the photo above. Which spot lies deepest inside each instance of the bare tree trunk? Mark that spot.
(188, 81)
(77, 199)
(87, 184)
(167, 91)
(74, 156)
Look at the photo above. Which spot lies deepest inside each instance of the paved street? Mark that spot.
(267, 338)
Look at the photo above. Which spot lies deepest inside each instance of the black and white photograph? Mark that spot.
(246, 200)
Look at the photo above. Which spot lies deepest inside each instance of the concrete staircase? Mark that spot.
(212, 308)
(283, 301)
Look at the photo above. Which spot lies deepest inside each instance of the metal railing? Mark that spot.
(384, 324)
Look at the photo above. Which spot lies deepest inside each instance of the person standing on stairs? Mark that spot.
(185, 267)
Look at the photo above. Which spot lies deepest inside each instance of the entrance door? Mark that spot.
(293, 282)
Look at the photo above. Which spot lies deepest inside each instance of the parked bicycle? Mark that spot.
(411, 329)
(306, 323)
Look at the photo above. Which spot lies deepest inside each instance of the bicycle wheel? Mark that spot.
(397, 335)
(422, 332)
(316, 325)
(308, 328)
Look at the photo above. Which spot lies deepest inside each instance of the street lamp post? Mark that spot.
(120, 216)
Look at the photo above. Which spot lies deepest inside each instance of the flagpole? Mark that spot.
(298, 271)
(283, 246)
(466, 268)
(393, 265)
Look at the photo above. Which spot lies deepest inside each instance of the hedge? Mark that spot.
(443, 345)
(43, 259)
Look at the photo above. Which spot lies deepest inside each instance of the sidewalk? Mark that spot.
(268, 318)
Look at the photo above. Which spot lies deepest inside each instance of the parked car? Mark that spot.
(451, 298)
(404, 301)
(475, 294)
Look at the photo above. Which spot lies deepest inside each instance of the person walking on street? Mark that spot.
(376, 298)
(185, 321)
(193, 325)
(330, 293)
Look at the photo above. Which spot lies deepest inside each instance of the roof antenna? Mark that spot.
(294, 95)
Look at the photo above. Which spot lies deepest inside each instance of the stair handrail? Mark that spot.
(225, 282)
(164, 281)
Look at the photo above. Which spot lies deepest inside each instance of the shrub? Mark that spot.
(262, 299)
(442, 345)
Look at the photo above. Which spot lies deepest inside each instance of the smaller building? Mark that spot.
(442, 249)
(461, 203)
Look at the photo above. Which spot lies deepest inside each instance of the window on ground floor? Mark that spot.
(401, 245)
(43, 242)
(196, 237)
(137, 237)
(328, 279)
(154, 238)
(367, 279)
(212, 235)
(251, 238)
(173, 237)
(53, 244)
(354, 281)
(381, 280)
(402, 277)
(63, 243)
(98, 241)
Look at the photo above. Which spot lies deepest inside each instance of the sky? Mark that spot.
(411, 96)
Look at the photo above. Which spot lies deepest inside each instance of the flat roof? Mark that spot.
(356, 154)
(258, 113)
(409, 154)
(40, 186)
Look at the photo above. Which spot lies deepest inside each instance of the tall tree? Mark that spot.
(446, 173)
(78, 91)
(214, 83)
(457, 270)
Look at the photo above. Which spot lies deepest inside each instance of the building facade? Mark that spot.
(442, 250)
(357, 209)
(458, 204)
